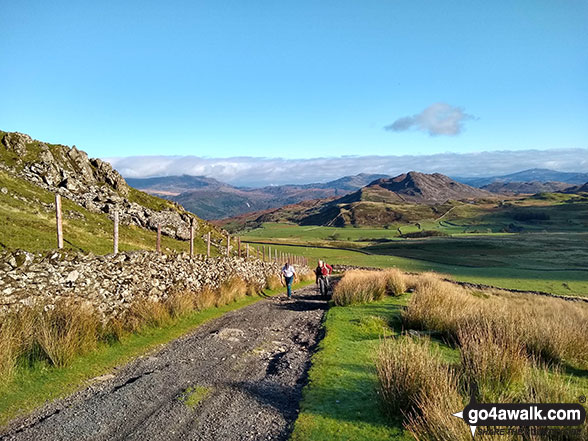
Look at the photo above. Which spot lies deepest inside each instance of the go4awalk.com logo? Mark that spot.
(520, 415)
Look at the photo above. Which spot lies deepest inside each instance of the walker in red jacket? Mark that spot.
(322, 272)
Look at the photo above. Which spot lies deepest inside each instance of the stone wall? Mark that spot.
(111, 283)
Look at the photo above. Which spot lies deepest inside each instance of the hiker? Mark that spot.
(322, 272)
(288, 273)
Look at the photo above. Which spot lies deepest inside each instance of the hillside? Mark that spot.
(212, 199)
(525, 187)
(31, 172)
(406, 198)
(530, 175)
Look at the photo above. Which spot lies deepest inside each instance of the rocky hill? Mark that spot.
(577, 189)
(31, 171)
(417, 187)
(406, 198)
(212, 199)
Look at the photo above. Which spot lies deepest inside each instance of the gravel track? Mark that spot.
(252, 362)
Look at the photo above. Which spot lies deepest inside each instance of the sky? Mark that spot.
(211, 80)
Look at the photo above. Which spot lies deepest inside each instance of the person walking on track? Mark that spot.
(322, 272)
(288, 273)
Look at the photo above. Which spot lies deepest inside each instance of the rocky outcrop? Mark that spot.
(111, 283)
(91, 183)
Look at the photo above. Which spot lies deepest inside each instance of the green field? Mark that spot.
(555, 262)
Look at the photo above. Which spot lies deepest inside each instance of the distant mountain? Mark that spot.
(405, 198)
(211, 199)
(577, 189)
(525, 187)
(533, 174)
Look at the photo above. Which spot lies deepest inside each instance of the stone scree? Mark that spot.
(110, 283)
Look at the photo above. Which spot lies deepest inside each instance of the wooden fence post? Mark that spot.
(257, 251)
(228, 245)
(158, 241)
(208, 244)
(58, 219)
(191, 237)
(115, 245)
(263, 252)
(276, 255)
(247, 250)
(239, 246)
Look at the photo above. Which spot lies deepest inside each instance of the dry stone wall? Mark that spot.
(111, 283)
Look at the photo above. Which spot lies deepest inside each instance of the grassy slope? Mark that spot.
(31, 387)
(29, 226)
(341, 400)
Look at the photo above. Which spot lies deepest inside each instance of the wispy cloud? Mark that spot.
(437, 119)
(251, 171)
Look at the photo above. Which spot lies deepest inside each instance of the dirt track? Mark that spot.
(252, 361)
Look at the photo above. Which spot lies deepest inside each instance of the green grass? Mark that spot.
(341, 400)
(193, 396)
(32, 386)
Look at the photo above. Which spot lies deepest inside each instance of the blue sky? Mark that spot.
(295, 79)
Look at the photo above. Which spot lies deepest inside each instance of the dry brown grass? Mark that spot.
(58, 333)
(206, 298)
(273, 282)
(8, 347)
(494, 357)
(505, 341)
(408, 368)
(552, 328)
(308, 276)
(396, 282)
(231, 290)
(67, 330)
(359, 286)
(180, 303)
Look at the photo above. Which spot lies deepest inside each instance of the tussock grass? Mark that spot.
(60, 332)
(495, 358)
(511, 346)
(358, 286)
(273, 282)
(550, 328)
(408, 368)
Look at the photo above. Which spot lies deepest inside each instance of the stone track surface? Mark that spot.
(253, 362)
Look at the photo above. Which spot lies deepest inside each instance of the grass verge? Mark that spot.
(341, 400)
(31, 386)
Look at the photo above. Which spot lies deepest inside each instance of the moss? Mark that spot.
(193, 396)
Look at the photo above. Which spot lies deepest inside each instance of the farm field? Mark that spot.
(553, 262)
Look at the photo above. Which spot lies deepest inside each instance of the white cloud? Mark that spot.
(251, 171)
(437, 119)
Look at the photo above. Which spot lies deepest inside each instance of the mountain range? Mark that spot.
(404, 198)
(212, 199)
